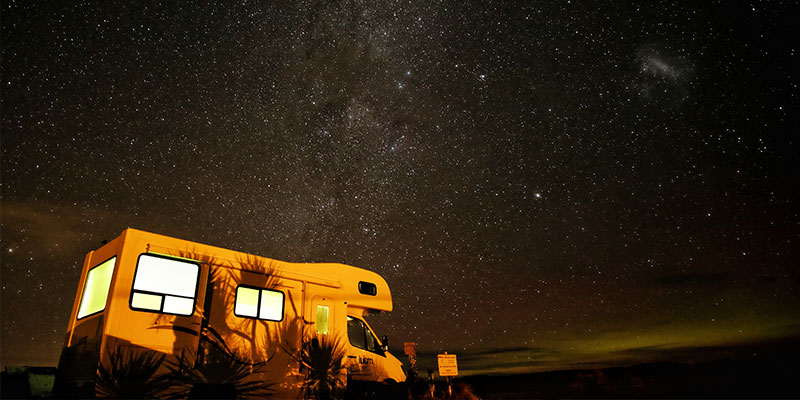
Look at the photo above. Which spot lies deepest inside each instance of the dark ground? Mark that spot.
(762, 373)
(774, 376)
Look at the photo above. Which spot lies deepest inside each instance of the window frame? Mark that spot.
(163, 295)
(86, 281)
(258, 305)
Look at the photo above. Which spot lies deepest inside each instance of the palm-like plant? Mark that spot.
(131, 373)
(223, 373)
(323, 357)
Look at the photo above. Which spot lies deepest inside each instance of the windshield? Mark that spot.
(361, 336)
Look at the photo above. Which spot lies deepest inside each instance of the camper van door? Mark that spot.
(367, 359)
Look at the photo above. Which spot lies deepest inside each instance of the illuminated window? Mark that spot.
(367, 288)
(259, 303)
(322, 319)
(95, 292)
(164, 284)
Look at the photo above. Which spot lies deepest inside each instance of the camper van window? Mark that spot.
(355, 332)
(254, 302)
(164, 284)
(322, 319)
(360, 336)
(367, 288)
(372, 343)
(95, 292)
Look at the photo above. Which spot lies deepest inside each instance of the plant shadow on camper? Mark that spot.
(156, 316)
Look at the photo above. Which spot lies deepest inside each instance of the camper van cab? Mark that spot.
(190, 304)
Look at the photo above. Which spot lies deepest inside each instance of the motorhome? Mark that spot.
(204, 315)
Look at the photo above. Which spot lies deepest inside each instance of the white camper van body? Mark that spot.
(144, 291)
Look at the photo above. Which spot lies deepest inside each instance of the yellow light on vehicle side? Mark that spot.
(167, 276)
(95, 292)
(322, 319)
(246, 302)
(146, 301)
(178, 305)
(271, 305)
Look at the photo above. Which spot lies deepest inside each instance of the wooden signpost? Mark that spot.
(410, 348)
(448, 366)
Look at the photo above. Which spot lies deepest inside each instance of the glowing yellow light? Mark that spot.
(271, 305)
(246, 302)
(95, 292)
(146, 301)
(164, 275)
(178, 305)
(322, 319)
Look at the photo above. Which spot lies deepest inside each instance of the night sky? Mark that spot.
(543, 185)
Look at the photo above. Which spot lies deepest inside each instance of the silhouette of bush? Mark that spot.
(323, 357)
(132, 374)
(461, 391)
(419, 389)
(218, 375)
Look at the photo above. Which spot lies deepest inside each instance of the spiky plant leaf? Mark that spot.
(323, 357)
(221, 369)
(131, 373)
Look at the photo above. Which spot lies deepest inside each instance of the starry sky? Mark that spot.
(544, 185)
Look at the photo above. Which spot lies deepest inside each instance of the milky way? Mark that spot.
(542, 185)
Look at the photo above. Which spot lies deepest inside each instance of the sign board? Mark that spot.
(448, 366)
(410, 348)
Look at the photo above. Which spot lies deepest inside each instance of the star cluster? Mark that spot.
(545, 184)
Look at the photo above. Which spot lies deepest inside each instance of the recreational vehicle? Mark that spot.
(179, 316)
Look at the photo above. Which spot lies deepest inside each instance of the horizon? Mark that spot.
(469, 363)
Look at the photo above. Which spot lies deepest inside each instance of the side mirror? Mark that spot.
(385, 341)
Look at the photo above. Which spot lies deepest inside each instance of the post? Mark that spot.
(410, 348)
(448, 367)
(449, 387)
(431, 383)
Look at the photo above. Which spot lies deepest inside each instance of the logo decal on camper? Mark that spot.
(365, 360)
